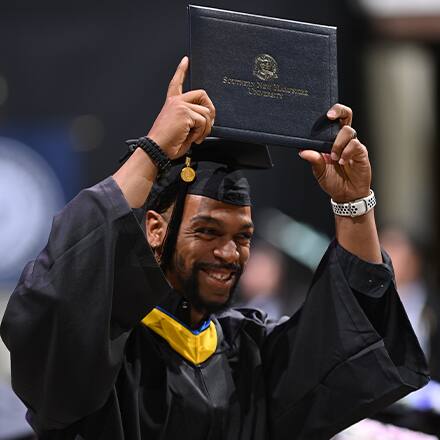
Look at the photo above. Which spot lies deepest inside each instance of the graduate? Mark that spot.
(121, 328)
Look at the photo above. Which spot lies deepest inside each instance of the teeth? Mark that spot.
(220, 276)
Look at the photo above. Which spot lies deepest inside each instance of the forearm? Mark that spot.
(136, 177)
(358, 235)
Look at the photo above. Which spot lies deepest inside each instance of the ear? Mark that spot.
(156, 228)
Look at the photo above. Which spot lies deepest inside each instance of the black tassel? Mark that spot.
(170, 240)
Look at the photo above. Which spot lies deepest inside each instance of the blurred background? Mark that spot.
(77, 80)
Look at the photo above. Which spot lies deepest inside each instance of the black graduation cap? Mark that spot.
(211, 169)
(216, 164)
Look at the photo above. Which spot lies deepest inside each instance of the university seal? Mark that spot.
(265, 67)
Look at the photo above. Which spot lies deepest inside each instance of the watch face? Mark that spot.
(30, 194)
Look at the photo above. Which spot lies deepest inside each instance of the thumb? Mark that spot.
(315, 159)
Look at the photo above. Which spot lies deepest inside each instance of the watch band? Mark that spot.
(356, 207)
(158, 157)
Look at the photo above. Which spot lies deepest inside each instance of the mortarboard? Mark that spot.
(212, 169)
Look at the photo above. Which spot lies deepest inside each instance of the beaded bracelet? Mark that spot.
(158, 157)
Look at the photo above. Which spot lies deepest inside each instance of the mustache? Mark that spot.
(237, 268)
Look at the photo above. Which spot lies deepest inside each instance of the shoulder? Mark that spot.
(242, 315)
(254, 322)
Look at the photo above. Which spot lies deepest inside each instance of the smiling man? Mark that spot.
(207, 284)
(203, 244)
(121, 328)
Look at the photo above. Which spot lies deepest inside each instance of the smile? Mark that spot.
(221, 276)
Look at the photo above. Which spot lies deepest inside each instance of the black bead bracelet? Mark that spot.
(158, 157)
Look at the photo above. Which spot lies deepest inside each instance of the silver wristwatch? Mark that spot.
(356, 207)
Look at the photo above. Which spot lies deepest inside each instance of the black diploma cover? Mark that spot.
(271, 80)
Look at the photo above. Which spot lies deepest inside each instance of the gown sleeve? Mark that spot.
(347, 353)
(68, 320)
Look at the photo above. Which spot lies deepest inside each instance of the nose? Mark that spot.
(227, 252)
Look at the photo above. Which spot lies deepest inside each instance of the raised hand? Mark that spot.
(185, 117)
(345, 174)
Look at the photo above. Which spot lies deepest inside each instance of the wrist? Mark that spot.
(358, 235)
(136, 177)
(143, 165)
(151, 149)
(356, 207)
(160, 141)
(359, 220)
(347, 198)
(139, 166)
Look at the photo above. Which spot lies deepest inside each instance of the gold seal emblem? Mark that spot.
(187, 174)
(265, 67)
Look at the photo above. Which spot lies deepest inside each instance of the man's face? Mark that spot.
(211, 251)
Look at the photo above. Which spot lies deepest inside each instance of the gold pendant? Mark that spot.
(188, 174)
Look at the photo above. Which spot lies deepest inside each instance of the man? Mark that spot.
(103, 345)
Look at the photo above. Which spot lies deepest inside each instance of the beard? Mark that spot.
(191, 289)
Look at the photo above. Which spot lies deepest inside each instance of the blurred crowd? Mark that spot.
(418, 292)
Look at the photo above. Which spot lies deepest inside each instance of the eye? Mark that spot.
(244, 238)
(207, 232)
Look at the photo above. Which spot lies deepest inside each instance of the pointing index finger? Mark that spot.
(176, 84)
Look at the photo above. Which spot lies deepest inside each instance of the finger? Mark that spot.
(176, 84)
(355, 151)
(199, 97)
(341, 112)
(344, 136)
(197, 128)
(316, 160)
(203, 111)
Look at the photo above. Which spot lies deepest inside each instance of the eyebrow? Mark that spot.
(208, 218)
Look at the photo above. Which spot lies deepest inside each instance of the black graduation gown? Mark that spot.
(87, 369)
